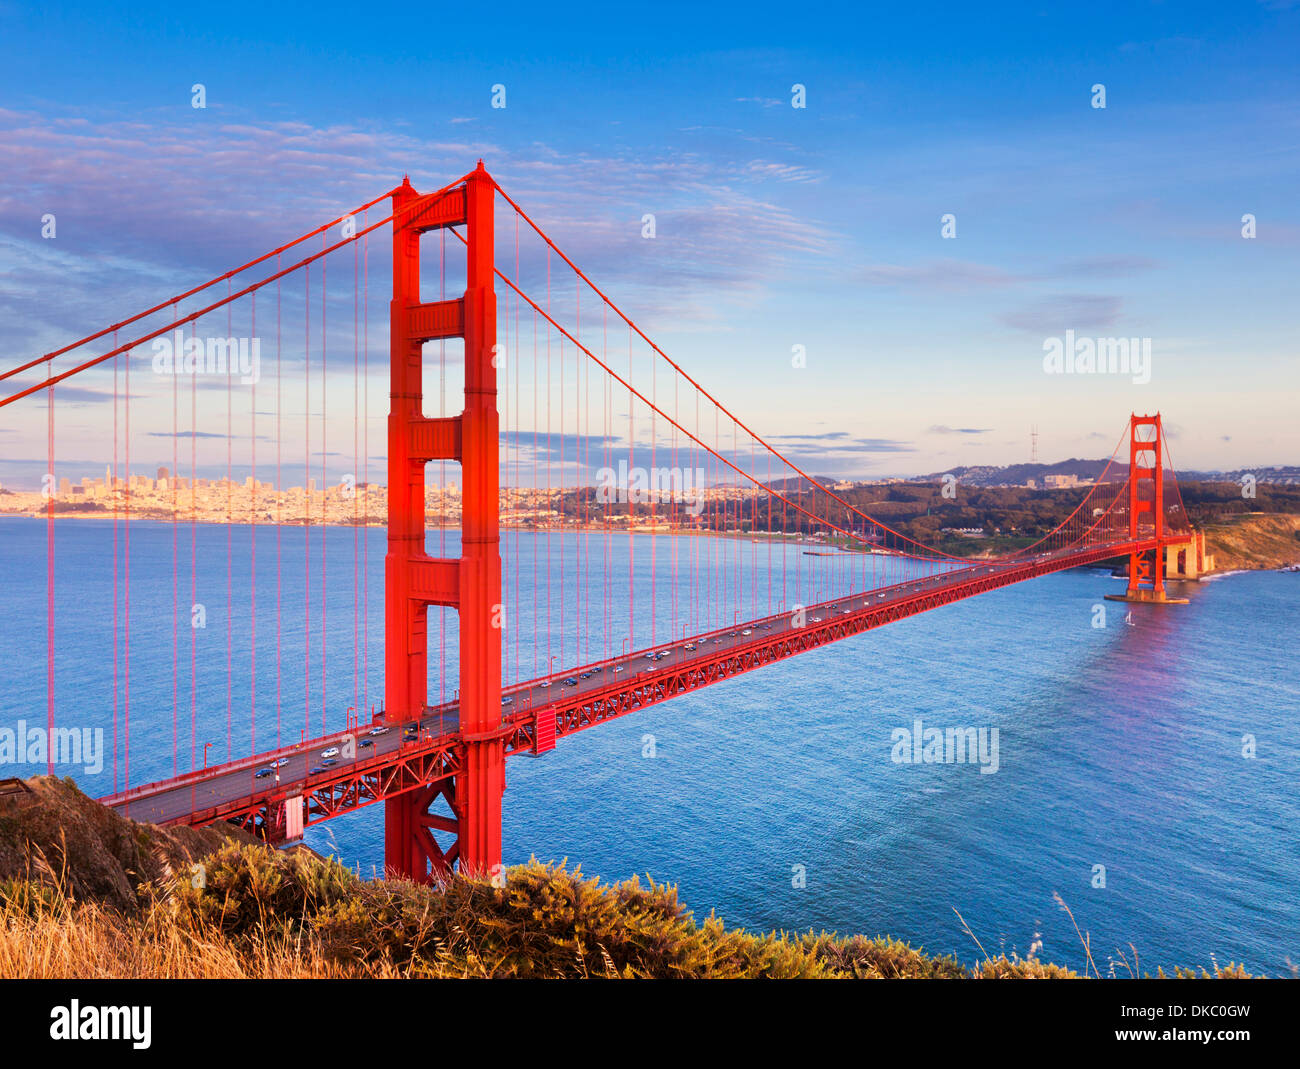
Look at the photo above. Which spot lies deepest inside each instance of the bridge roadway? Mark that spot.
(599, 692)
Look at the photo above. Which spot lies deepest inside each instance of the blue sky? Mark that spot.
(776, 226)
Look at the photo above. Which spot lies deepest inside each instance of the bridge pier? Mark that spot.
(1189, 561)
(1147, 597)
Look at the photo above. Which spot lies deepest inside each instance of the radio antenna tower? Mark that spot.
(1033, 444)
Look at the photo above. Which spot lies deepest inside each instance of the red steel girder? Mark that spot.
(425, 764)
(342, 789)
(581, 711)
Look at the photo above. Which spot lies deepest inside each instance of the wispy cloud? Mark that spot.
(946, 275)
(191, 198)
(1076, 311)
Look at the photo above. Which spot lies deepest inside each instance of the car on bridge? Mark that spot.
(333, 751)
(380, 731)
(262, 773)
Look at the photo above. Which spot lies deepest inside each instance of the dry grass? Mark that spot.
(52, 937)
(266, 914)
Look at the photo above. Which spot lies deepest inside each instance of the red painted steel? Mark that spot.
(414, 580)
(1146, 507)
(434, 765)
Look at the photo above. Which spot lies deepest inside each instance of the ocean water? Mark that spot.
(1148, 771)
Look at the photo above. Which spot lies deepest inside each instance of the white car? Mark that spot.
(333, 751)
(380, 731)
(747, 632)
(280, 762)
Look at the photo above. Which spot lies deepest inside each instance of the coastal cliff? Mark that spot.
(1254, 541)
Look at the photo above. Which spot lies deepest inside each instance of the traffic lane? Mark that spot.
(632, 666)
(244, 782)
(241, 783)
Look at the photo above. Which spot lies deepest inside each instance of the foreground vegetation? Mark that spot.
(245, 910)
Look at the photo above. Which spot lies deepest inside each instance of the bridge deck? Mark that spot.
(394, 758)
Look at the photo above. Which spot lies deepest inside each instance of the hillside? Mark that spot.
(53, 834)
(1254, 541)
(257, 912)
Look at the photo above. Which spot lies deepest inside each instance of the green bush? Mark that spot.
(546, 922)
(245, 890)
(31, 898)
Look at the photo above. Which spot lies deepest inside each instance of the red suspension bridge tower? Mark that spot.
(413, 579)
(1146, 513)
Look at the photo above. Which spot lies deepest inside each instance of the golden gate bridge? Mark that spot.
(565, 617)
